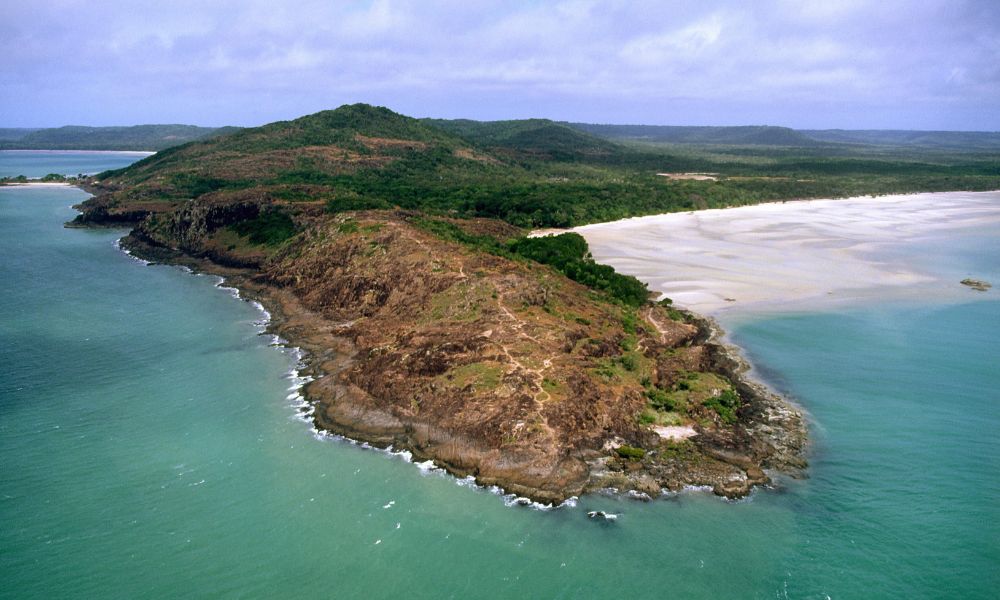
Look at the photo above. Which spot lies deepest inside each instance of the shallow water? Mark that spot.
(39, 163)
(151, 448)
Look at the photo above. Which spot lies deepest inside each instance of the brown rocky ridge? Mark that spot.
(494, 367)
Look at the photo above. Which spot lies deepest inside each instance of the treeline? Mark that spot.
(567, 253)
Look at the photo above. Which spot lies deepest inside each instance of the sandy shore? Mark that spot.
(791, 254)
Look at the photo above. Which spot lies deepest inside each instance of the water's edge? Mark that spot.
(772, 419)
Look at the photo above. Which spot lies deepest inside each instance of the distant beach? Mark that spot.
(74, 152)
(789, 254)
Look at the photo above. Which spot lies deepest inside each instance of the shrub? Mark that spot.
(348, 226)
(630, 452)
(270, 228)
(659, 399)
(568, 253)
(725, 404)
(629, 322)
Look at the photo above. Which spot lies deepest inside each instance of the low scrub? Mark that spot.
(270, 228)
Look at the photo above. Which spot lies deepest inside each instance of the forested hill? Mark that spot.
(767, 135)
(966, 141)
(753, 135)
(73, 137)
(10, 134)
(530, 173)
(539, 138)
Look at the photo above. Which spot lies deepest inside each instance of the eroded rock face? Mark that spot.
(495, 368)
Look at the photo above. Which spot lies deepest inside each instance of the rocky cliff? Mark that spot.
(490, 366)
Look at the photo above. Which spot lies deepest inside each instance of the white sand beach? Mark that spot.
(781, 255)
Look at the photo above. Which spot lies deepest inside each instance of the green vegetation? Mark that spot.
(687, 396)
(538, 173)
(569, 254)
(138, 137)
(725, 404)
(11, 134)
(659, 399)
(483, 376)
(451, 232)
(270, 228)
(962, 141)
(50, 178)
(630, 452)
(764, 135)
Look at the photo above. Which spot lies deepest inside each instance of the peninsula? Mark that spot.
(394, 252)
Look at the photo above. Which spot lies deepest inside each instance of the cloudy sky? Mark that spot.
(908, 64)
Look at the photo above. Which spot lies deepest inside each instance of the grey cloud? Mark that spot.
(851, 63)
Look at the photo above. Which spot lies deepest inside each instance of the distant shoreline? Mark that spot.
(39, 151)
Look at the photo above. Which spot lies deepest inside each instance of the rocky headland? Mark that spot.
(430, 333)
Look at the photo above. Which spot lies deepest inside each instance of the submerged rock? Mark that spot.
(600, 514)
(976, 284)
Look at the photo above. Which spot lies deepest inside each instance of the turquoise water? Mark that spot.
(151, 448)
(38, 163)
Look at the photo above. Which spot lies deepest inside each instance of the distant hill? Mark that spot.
(950, 140)
(8, 134)
(752, 135)
(529, 137)
(768, 135)
(308, 150)
(74, 137)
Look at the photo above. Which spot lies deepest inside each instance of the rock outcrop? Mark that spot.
(496, 368)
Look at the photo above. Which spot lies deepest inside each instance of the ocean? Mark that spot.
(152, 446)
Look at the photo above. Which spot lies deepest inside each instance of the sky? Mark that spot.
(820, 64)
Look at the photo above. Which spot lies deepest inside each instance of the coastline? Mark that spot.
(772, 420)
(772, 434)
(787, 256)
(322, 354)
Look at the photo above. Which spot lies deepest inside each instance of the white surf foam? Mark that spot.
(118, 246)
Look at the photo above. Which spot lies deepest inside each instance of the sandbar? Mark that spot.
(792, 254)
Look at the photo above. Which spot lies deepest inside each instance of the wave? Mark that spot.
(305, 410)
(118, 246)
